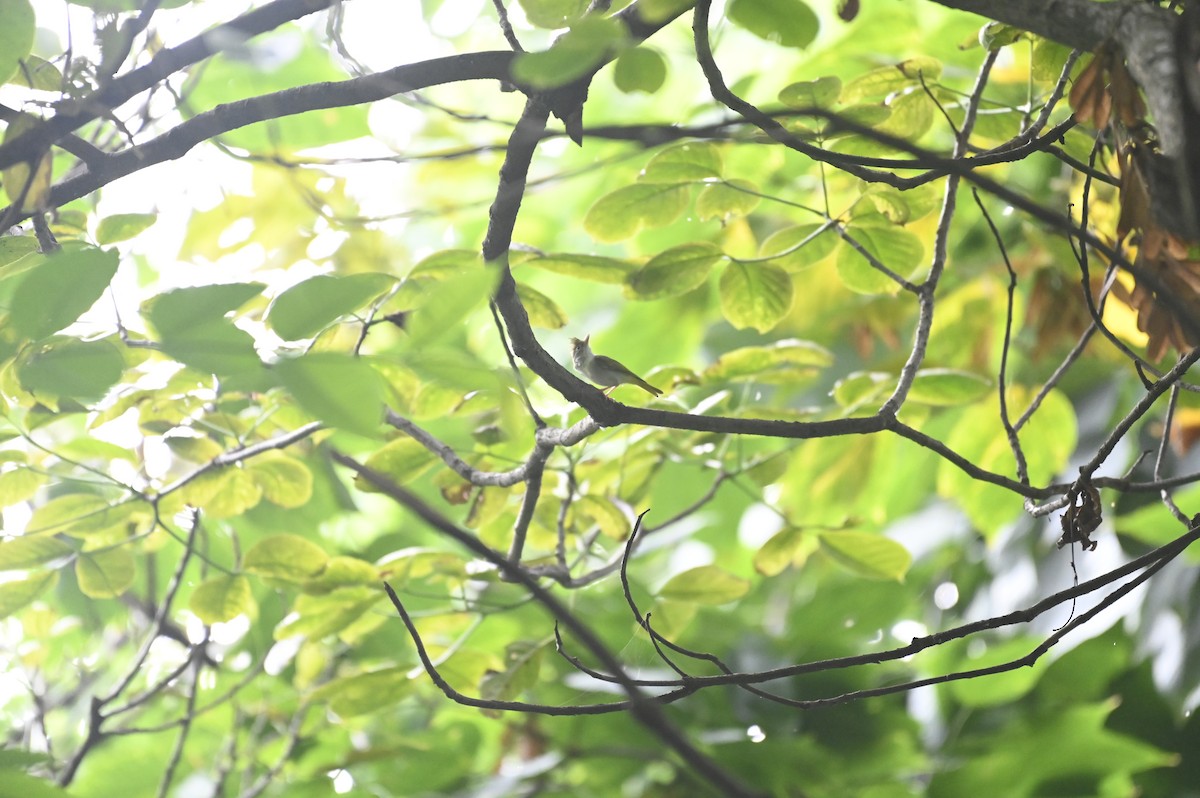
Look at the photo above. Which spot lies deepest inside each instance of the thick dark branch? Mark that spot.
(72, 114)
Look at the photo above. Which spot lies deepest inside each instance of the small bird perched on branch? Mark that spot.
(603, 370)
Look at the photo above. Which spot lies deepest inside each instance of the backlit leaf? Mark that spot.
(222, 599)
(287, 557)
(621, 214)
(872, 556)
(705, 584)
(790, 23)
(105, 574)
(675, 271)
(308, 307)
(57, 291)
(339, 389)
(755, 295)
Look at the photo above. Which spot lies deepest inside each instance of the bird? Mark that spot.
(604, 370)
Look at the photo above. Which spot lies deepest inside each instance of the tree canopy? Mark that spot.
(303, 496)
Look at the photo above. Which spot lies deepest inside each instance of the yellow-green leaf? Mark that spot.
(943, 387)
(16, 594)
(727, 198)
(123, 226)
(283, 480)
(401, 460)
(105, 574)
(755, 362)
(755, 295)
(222, 599)
(706, 584)
(872, 556)
(621, 214)
(20, 484)
(30, 551)
(364, 693)
(788, 546)
(287, 557)
(543, 311)
(675, 271)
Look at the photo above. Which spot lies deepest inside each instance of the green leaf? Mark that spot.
(283, 480)
(123, 226)
(689, 162)
(553, 14)
(790, 23)
(886, 80)
(675, 271)
(872, 556)
(402, 460)
(911, 117)
(995, 35)
(214, 346)
(365, 693)
(640, 69)
(105, 574)
(78, 514)
(36, 73)
(342, 572)
(755, 295)
(705, 584)
(573, 55)
(19, 484)
(612, 522)
(222, 599)
(621, 214)
(797, 248)
(1047, 440)
(339, 389)
(57, 291)
(596, 268)
(819, 93)
(757, 362)
(731, 198)
(944, 387)
(83, 370)
(30, 551)
(445, 305)
(543, 311)
(180, 310)
(1153, 523)
(318, 616)
(14, 784)
(789, 546)
(309, 306)
(16, 35)
(522, 663)
(896, 248)
(17, 593)
(860, 387)
(287, 557)
(13, 248)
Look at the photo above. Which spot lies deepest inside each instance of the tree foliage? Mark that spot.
(300, 496)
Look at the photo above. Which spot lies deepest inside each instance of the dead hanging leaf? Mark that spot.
(1134, 195)
(1126, 99)
(1089, 96)
(1167, 259)
(1185, 429)
(1057, 310)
